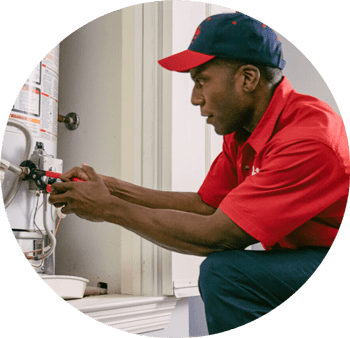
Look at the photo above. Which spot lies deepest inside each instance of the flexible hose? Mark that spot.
(15, 187)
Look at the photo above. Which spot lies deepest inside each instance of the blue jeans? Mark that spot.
(239, 286)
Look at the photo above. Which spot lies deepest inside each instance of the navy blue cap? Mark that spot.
(231, 35)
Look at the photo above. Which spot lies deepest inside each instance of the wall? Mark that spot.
(303, 76)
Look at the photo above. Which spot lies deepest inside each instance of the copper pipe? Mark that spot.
(71, 120)
(65, 119)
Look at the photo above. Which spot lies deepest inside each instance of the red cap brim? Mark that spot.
(184, 61)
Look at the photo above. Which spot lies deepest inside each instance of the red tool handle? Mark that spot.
(75, 179)
(58, 175)
(52, 174)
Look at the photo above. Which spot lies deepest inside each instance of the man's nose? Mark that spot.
(196, 98)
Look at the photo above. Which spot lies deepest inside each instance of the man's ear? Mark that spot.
(251, 77)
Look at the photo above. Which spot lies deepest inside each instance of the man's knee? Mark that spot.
(214, 269)
(221, 260)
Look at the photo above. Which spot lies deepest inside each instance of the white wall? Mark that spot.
(303, 76)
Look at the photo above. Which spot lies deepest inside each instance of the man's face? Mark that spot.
(220, 98)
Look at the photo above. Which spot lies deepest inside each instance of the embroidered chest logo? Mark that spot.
(255, 170)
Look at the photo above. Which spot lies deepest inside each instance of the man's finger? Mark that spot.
(75, 172)
(58, 199)
(66, 210)
(59, 205)
(61, 187)
(91, 173)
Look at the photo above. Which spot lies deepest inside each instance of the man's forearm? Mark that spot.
(174, 230)
(155, 199)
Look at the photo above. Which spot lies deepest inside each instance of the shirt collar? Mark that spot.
(266, 125)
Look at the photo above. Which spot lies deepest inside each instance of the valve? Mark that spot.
(71, 120)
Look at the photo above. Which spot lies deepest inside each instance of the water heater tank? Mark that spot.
(37, 107)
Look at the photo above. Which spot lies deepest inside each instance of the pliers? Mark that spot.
(36, 175)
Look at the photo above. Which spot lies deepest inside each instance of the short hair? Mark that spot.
(270, 74)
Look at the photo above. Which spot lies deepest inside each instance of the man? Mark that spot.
(282, 178)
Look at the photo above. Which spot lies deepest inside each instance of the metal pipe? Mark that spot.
(16, 170)
(65, 119)
(71, 120)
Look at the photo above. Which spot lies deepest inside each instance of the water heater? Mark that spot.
(36, 107)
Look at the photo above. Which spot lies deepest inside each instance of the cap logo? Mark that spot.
(196, 34)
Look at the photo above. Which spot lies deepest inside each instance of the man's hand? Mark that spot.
(85, 199)
(75, 172)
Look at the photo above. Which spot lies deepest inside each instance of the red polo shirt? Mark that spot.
(286, 184)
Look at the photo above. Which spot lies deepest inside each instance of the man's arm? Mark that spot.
(180, 231)
(155, 199)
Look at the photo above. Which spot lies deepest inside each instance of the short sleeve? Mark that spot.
(295, 182)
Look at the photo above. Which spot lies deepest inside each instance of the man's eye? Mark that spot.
(200, 82)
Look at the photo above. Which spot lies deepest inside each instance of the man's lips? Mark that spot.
(204, 114)
(210, 119)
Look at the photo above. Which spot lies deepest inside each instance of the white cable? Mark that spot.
(49, 249)
(15, 187)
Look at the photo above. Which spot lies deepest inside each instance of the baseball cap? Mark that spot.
(230, 35)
